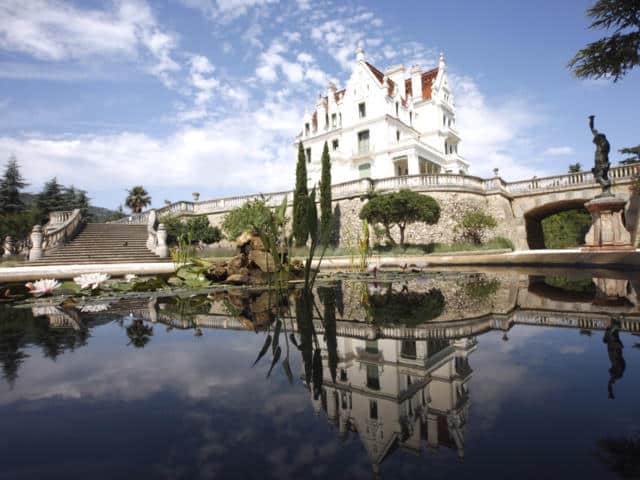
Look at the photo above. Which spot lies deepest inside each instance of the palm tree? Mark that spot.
(137, 199)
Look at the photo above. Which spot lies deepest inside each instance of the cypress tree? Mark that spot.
(10, 186)
(300, 223)
(326, 216)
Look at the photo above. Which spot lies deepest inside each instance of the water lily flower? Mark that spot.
(130, 277)
(93, 280)
(44, 286)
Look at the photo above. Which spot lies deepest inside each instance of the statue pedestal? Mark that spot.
(607, 230)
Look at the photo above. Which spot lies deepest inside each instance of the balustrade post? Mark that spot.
(35, 253)
(161, 249)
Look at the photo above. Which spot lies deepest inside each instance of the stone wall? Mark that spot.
(452, 207)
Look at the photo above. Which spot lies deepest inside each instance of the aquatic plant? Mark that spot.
(130, 277)
(91, 280)
(44, 286)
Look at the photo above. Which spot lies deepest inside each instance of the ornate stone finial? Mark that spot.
(196, 196)
(495, 172)
(441, 61)
(360, 53)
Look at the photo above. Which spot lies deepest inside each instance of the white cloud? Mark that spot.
(225, 10)
(244, 153)
(495, 134)
(50, 30)
(558, 151)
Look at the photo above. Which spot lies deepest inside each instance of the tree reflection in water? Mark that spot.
(621, 455)
(139, 334)
(614, 349)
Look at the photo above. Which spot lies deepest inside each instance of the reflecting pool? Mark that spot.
(508, 374)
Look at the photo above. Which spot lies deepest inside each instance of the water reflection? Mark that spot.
(386, 363)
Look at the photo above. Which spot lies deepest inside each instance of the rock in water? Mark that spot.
(237, 279)
(263, 260)
(235, 264)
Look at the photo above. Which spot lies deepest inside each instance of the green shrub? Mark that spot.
(410, 308)
(196, 228)
(566, 229)
(253, 216)
(474, 223)
(400, 209)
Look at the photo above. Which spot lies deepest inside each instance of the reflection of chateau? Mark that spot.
(399, 393)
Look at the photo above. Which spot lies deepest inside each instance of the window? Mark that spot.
(326, 121)
(444, 120)
(333, 119)
(343, 375)
(397, 135)
(335, 144)
(340, 119)
(410, 118)
(365, 170)
(408, 349)
(371, 346)
(306, 129)
(373, 377)
(362, 110)
(373, 409)
(363, 142)
(307, 153)
(397, 108)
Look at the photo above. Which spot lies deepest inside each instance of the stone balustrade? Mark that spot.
(438, 182)
(62, 227)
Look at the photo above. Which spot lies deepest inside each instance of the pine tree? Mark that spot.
(300, 223)
(52, 197)
(326, 217)
(10, 186)
(614, 55)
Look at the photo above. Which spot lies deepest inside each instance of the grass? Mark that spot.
(497, 243)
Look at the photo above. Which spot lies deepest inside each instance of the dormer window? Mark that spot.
(362, 110)
(333, 120)
(306, 129)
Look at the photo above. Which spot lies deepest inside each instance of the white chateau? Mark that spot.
(384, 124)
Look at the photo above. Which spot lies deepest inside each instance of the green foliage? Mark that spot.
(52, 197)
(197, 228)
(566, 229)
(253, 216)
(575, 167)
(10, 186)
(406, 308)
(569, 285)
(400, 208)
(18, 225)
(300, 200)
(326, 215)
(614, 55)
(634, 152)
(481, 288)
(137, 199)
(73, 198)
(474, 223)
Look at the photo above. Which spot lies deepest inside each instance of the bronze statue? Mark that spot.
(601, 169)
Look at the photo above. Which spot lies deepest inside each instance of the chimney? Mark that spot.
(396, 74)
(416, 83)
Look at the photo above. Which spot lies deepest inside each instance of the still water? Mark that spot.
(438, 375)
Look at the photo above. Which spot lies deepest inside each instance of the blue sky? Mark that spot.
(207, 95)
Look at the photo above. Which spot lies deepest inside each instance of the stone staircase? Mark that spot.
(102, 243)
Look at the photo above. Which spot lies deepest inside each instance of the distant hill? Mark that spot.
(96, 214)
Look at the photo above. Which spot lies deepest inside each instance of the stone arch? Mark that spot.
(533, 218)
